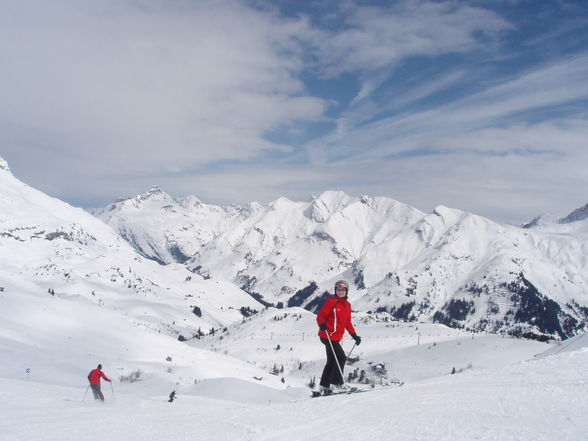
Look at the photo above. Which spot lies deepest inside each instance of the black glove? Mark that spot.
(323, 326)
(357, 339)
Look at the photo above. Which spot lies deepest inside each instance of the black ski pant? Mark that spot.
(97, 392)
(331, 374)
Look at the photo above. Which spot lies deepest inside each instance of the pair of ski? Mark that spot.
(357, 390)
(349, 391)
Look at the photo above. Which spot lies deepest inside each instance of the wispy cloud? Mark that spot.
(510, 103)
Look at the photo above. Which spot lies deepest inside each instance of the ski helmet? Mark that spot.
(342, 284)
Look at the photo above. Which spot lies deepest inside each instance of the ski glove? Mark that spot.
(357, 339)
(323, 326)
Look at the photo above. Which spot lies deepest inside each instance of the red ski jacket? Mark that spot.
(336, 313)
(94, 376)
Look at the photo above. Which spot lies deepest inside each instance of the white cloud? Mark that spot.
(378, 38)
(150, 83)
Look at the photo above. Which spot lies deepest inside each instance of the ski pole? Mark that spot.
(112, 389)
(87, 387)
(336, 359)
(354, 345)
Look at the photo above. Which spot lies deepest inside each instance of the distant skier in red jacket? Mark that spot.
(94, 379)
(334, 319)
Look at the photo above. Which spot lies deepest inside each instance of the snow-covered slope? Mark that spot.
(50, 247)
(447, 266)
(73, 294)
(541, 400)
(60, 338)
(468, 270)
(500, 390)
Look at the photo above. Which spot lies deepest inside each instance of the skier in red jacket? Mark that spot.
(94, 379)
(334, 319)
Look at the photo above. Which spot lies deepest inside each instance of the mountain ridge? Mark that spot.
(409, 264)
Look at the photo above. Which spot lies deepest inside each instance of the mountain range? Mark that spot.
(447, 266)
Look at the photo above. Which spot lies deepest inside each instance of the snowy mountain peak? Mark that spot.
(367, 200)
(189, 201)
(329, 202)
(281, 203)
(154, 191)
(254, 206)
(4, 166)
(576, 215)
(449, 215)
(155, 195)
(334, 199)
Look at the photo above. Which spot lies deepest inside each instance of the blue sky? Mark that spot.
(477, 105)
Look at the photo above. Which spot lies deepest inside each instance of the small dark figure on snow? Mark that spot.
(334, 319)
(172, 396)
(94, 378)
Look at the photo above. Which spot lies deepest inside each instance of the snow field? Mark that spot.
(524, 401)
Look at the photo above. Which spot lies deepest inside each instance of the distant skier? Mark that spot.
(172, 396)
(94, 379)
(333, 319)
